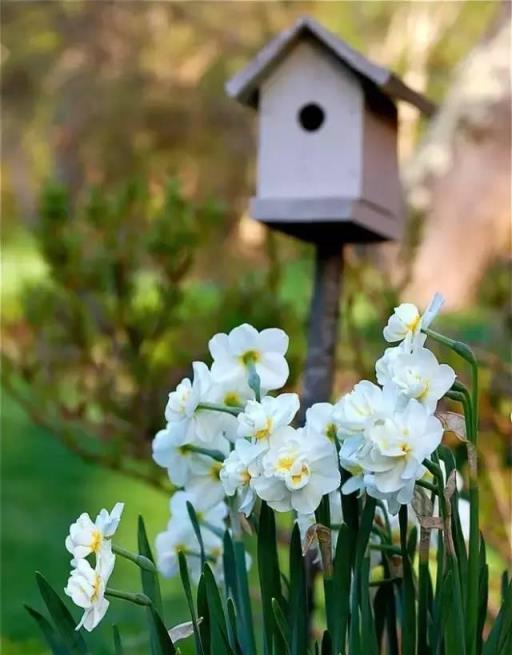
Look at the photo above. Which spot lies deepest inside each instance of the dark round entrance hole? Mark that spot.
(311, 117)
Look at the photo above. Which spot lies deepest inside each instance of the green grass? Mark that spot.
(44, 488)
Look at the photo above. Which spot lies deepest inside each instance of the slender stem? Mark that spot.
(427, 485)
(214, 454)
(435, 469)
(140, 560)
(214, 407)
(254, 380)
(137, 599)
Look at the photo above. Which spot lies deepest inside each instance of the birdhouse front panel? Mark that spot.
(311, 110)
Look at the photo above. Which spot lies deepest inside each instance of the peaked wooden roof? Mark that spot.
(245, 84)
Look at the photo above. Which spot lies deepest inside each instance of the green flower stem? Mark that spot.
(436, 471)
(214, 454)
(137, 599)
(427, 485)
(141, 561)
(215, 407)
(254, 380)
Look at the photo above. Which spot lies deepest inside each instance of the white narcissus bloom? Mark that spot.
(353, 410)
(394, 449)
(185, 418)
(86, 537)
(320, 421)
(297, 472)
(86, 588)
(416, 375)
(180, 536)
(349, 460)
(238, 471)
(233, 353)
(260, 420)
(204, 475)
(180, 459)
(406, 322)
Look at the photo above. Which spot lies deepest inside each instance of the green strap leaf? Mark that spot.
(149, 580)
(408, 593)
(185, 581)
(197, 531)
(219, 634)
(160, 640)
(51, 637)
(342, 577)
(282, 625)
(298, 597)
(62, 618)
(270, 578)
(118, 646)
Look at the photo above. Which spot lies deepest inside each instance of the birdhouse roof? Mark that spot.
(245, 84)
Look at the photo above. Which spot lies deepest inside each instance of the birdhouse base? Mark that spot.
(324, 219)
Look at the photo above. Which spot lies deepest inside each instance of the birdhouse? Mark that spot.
(327, 137)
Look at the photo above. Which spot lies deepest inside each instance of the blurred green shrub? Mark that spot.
(114, 325)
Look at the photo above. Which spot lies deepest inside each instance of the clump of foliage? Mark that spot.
(118, 317)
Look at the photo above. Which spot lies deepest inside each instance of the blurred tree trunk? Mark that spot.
(461, 179)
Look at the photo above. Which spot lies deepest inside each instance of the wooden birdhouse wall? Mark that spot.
(381, 178)
(296, 162)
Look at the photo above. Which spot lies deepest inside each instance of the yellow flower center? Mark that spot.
(406, 449)
(215, 470)
(413, 325)
(265, 431)
(298, 476)
(96, 540)
(250, 357)
(232, 399)
(96, 588)
(285, 463)
(245, 477)
(331, 432)
(424, 392)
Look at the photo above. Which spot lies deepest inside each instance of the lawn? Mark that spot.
(44, 487)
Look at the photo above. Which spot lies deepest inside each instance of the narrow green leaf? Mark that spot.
(270, 578)
(185, 581)
(149, 580)
(62, 619)
(234, 638)
(202, 611)
(118, 646)
(342, 576)
(51, 637)
(327, 644)
(408, 593)
(160, 639)
(197, 531)
(442, 606)
(369, 639)
(282, 625)
(218, 626)
(298, 597)
(499, 641)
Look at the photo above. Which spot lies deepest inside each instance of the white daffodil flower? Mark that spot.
(394, 449)
(348, 456)
(297, 472)
(86, 537)
(320, 421)
(353, 410)
(233, 353)
(179, 457)
(86, 588)
(238, 471)
(185, 418)
(416, 375)
(204, 475)
(406, 322)
(180, 536)
(260, 420)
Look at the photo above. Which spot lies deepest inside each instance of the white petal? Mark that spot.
(273, 340)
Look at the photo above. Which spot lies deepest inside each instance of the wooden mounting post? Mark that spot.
(323, 326)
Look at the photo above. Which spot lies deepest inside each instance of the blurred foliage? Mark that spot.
(114, 323)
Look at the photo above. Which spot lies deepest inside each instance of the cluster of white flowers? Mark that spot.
(86, 585)
(387, 431)
(221, 440)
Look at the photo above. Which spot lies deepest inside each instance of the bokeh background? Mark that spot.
(127, 244)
